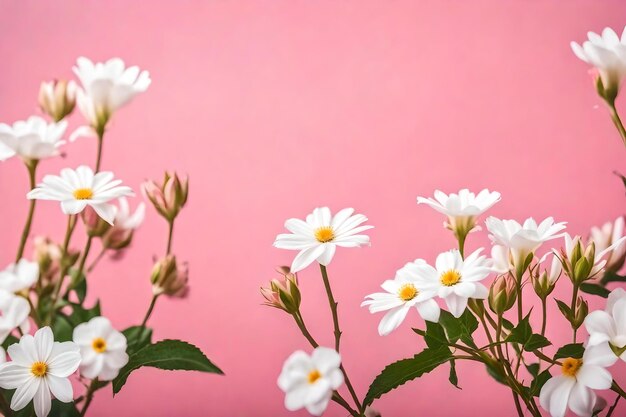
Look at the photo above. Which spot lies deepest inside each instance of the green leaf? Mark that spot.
(137, 337)
(538, 382)
(453, 378)
(459, 328)
(573, 350)
(60, 409)
(435, 336)
(523, 335)
(78, 284)
(496, 373)
(533, 369)
(62, 328)
(398, 373)
(610, 276)
(595, 289)
(169, 355)
(565, 310)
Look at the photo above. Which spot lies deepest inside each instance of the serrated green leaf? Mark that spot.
(168, 355)
(573, 350)
(535, 342)
(435, 336)
(595, 289)
(137, 337)
(459, 328)
(453, 377)
(523, 335)
(401, 372)
(538, 382)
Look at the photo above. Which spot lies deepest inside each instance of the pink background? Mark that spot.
(276, 107)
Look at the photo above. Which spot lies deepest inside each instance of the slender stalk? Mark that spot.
(617, 121)
(89, 396)
(610, 413)
(32, 168)
(616, 388)
(100, 133)
(170, 236)
(337, 331)
(544, 315)
(71, 223)
(461, 238)
(518, 289)
(150, 309)
(97, 260)
(573, 308)
(83, 259)
(339, 400)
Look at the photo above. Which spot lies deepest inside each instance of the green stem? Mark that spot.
(97, 260)
(71, 223)
(99, 154)
(461, 238)
(573, 308)
(612, 409)
(616, 388)
(149, 312)
(544, 315)
(617, 121)
(32, 168)
(337, 331)
(339, 400)
(518, 289)
(297, 316)
(170, 236)
(83, 259)
(89, 396)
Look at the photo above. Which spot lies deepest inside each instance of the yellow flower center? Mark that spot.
(324, 234)
(571, 366)
(407, 292)
(83, 193)
(314, 375)
(450, 278)
(39, 369)
(99, 345)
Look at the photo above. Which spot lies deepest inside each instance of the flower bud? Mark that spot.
(544, 282)
(57, 98)
(169, 197)
(580, 312)
(95, 225)
(48, 255)
(170, 278)
(283, 292)
(117, 238)
(579, 260)
(502, 294)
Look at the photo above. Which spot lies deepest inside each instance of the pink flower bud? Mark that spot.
(57, 98)
(94, 224)
(170, 278)
(283, 292)
(169, 197)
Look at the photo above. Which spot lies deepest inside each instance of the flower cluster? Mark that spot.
(49, 291)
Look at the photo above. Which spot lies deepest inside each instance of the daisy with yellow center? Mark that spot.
(458, 279)
(77, 189)
(408, 289)
(39, 367)
(102, 348)
(309, 381)
(574, 387)
(318, 237)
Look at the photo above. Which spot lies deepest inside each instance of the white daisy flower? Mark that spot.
(102, 349)
(19, 277)
(40, 366)
(608, 327)
(606, 236)
(522, 240)
(31, 139)
(607, 53)
(317, 238)
(106, 86)
(15, 311)
(462, 209)
(409, 289)
(574, 388)
(309, 381)
(77, 189)
(457, 279)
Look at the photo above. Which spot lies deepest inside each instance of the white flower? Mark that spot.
(126, 220)
(608, 235)
(40, 366)
(456, 280)
(309, 381)
(19, 277)
(31, 139)
(77, 189)
(608, 327)
(409, 289)
(462, 208)
(105, 88)
(522, 240)
(15, 311)
(102, 349)
(317, 238)
(607, 53)
(574, 387)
